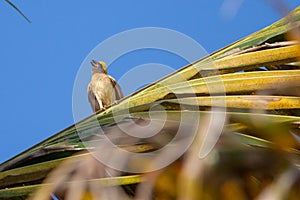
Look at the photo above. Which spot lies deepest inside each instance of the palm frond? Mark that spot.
(256, 79)
(18, 10)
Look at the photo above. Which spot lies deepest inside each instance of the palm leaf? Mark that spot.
(18, 10)
(260, 79)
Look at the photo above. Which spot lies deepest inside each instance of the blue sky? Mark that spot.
(40, 60)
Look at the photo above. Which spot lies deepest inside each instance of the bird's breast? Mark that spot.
(102, 86)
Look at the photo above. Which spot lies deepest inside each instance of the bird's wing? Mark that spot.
(118, 90)
(92, 99)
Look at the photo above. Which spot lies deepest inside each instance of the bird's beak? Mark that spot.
(94, 62)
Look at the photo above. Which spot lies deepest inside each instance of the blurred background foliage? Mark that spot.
(256, 157)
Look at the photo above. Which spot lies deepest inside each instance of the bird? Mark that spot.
(103, 89)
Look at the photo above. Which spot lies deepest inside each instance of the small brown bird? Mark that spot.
(103, 90)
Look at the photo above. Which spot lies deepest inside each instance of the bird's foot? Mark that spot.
(115, 102)
(103, 108)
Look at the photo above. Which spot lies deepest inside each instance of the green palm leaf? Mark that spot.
(260, 79)
(18, 10)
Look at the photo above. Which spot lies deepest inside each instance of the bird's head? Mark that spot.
(99, 67)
